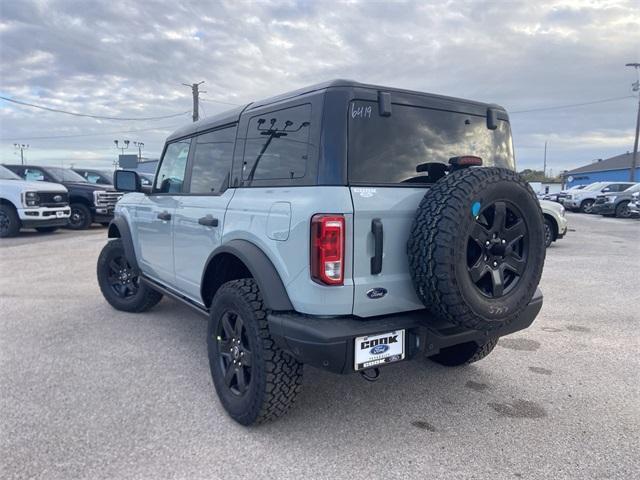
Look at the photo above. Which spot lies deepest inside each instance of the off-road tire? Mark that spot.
(144, 298)
(10, 221)
(80, 218)
(438, 243)
(276, 377)
(622, 210)
(464, 353)
(46, 229)
(586, 206)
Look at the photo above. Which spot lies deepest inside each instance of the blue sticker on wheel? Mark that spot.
(475, 209)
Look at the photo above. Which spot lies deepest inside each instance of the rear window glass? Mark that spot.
(277, 145)
(388, 150)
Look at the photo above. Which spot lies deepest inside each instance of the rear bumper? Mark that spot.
(328, 342)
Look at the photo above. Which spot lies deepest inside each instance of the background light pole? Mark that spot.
(22, 147)
(636, 88)
(139, 145)
(125, 145)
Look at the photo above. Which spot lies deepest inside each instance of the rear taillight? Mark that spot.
(327, 249)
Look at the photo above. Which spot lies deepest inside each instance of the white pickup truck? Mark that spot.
(40, 205)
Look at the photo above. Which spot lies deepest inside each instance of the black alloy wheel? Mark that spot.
(122, 279)
(80, 218)
(235, 354)
(497, 249)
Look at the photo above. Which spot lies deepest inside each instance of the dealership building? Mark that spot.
(614, 169)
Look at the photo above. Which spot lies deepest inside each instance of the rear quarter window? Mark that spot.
(277, 145)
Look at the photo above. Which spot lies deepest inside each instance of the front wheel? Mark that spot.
(120, 283)
(9, 221)
(464, 353)
(80, 218)
(548, 232)
(622, 210)
(255, 380)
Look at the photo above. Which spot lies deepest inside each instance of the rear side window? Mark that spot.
(212, 161)
(389, 150)
(277, 145)
(171, 174)
(32, 174)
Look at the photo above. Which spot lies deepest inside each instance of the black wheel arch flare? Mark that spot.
(273, 292)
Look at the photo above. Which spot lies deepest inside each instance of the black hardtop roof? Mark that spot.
(232, 116)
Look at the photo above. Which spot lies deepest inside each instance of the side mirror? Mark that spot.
(606, 189)
(127, 181)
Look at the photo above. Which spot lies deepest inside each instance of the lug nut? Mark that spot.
(487, 243)
(495, 264)
(504, 241)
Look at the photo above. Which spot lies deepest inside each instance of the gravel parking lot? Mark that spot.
(89, 392)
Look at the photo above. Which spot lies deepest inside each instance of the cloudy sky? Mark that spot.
(129, 58)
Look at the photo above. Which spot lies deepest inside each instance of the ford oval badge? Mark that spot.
(379, 349)
(378, 292)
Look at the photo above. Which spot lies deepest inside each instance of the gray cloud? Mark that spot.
(127, 58)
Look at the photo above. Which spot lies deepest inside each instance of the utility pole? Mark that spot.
(544, 166)
(636, 88)
(196, 94)
(139, 145)
(22, 147)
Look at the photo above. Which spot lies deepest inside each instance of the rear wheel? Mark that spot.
(476, 248)
(120, 282)
(464, 353)
(80, 218)
(254, 379)
(9, 221)
(622, 210)
(586, 206)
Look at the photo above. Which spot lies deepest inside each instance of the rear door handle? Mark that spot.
(376, 260)
(165, 216)
(208, 221)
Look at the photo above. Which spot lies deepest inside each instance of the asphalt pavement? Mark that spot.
(88, 392)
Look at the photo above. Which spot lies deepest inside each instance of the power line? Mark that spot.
(220, 101)
(98, 117)
(165, 127)
(558, 107)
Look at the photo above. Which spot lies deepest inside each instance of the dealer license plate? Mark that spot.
(60, 214)
(376, 350)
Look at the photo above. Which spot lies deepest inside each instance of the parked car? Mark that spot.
(89, 202)
(298, 256)
(555, 221)
(559, 196)
(583, 200)
(99, 177)
(634, 205)
(615, 204)
(40, 205)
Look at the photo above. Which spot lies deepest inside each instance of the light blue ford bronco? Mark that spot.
(345, 226)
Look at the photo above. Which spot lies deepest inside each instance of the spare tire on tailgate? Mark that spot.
(476, 248)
